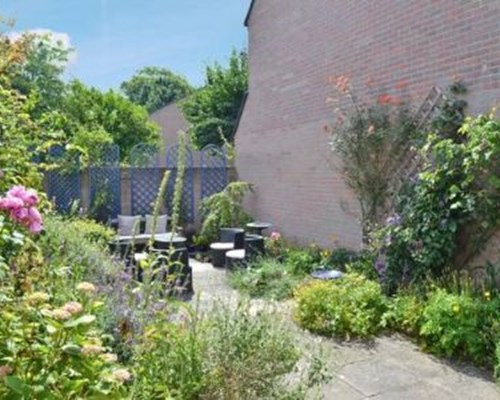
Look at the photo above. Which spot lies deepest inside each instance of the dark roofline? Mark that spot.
(247, 18)
(240, 113)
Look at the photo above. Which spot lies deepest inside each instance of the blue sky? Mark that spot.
(114, 38)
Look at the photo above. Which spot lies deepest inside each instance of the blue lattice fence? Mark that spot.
(145, 176)
(187, 204)
(63, 182)
(105, 183)
(213, 172)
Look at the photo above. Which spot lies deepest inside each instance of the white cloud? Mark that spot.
(55, 37)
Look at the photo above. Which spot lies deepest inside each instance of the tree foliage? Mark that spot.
(154, 87)
(213, 110)
(106, 116)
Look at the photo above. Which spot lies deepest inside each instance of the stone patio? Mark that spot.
(389, 368)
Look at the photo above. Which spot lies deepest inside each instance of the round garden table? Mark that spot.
(258, 227)
(162, 241)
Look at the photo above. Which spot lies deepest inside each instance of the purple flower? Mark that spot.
(395, 220)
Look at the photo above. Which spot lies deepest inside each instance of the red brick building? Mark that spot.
(295, 46)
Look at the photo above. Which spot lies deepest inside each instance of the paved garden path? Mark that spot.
(389, 368)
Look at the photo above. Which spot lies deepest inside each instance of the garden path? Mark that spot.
(389, 368)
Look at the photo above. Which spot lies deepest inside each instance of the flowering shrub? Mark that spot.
(275, 245)
(371, 141)
(457, 194)
(49, 350)
(20, 204)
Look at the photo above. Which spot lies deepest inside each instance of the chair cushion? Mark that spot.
(236, 254)
(161, 224)
(129, 225)
(222, 246)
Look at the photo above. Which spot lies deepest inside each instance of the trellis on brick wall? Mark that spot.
(187, 204)
(63, 181)
(411, 160)
(105, 182)
(145, 178)
(213, 173)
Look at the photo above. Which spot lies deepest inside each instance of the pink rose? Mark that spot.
(17, 191)
(30, 198)
(35, 227)
(10, 203)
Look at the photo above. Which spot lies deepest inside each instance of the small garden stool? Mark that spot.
(254, 246)
(230, 239)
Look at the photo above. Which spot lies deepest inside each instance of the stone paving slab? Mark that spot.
(386, 369)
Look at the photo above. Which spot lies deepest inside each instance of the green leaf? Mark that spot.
(72, 349)
(17, 385)
(85, 320)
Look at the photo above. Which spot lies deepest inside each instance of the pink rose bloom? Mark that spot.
(30, 198)
(34, 215)
(275, 236)
(10, 203)
(17, 191)
(19, 214)
(35, 227)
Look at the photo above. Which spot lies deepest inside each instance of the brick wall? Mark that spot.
(296, 45)
(171, 121)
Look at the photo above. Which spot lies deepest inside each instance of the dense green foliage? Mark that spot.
(458, 191)
(154, 87)
(94, 117)
(40, 74)
(230, 355)
(213, 109)
(223, 209)
(348, 307)
(71, 114)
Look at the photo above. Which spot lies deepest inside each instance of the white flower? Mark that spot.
(86, 287)
(73, 307)
(121, 375)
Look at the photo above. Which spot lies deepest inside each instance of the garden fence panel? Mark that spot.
(213, 161)
(145, 176)
(105, 183)
(63, 179)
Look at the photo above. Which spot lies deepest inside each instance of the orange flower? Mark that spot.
(343, 84)
(384, 99)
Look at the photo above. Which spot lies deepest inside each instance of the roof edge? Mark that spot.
(240, 114)
(249, 13)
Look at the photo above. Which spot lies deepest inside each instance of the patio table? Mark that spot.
(257, 227)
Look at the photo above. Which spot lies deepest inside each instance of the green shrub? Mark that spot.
(303, 261)
(351, 306)
(229, 354)
(266, 278)
(93, 231)
(364, 264)
(460, 325)
(404, 314)
(223, 209)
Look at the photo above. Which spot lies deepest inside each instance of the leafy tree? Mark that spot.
(213, 110)
(39, 75)
(88, 109)
(154, 87)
